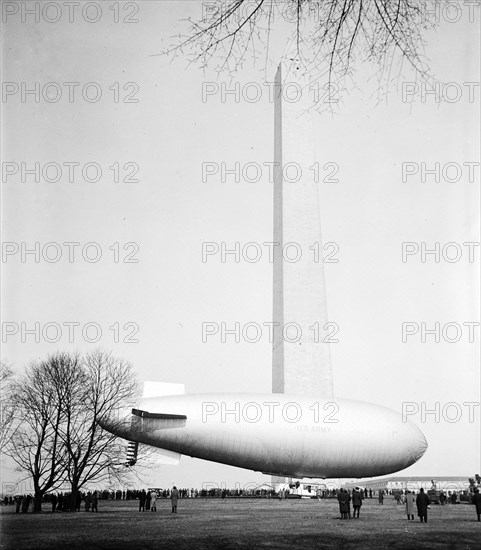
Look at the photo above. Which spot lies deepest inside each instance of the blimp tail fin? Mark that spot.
(158, 456)
(163, 456)
(160, 389)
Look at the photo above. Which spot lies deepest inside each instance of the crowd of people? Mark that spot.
(148, 499)
(420, 501)
(63, 502)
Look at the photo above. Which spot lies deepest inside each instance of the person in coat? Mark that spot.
(142, 498)
(53, 500)
(476, 500)
(174, 497)
(410, 502)
(344, 503)
(95, 501)
(422, 503)
(356, 501)
(88, 500)
(153, 501)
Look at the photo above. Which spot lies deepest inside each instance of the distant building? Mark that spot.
(412, 483)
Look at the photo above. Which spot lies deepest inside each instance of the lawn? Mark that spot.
(241, 523)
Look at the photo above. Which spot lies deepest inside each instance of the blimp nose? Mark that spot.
(417, 443)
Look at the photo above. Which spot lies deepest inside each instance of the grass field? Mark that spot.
(241, 523)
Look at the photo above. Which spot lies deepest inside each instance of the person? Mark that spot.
(381, 497)
(410, 502)
(174, 497)
(153, 501)
(88, 500)
(340, 499)
(78, 501)
(442, 498)
(148, 498)
(356, 501)
(53, 499)
(476, 500)
(422, 503)
(344, 503)
(25, 504)
(95, 502)
(142, 498)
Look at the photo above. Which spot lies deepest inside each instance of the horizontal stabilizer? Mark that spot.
(163, 456)
(160, 389)
(163, 416)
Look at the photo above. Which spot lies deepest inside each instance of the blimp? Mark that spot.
(287, 435)
(300, 430)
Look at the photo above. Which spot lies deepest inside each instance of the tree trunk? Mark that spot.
(73, 498)
(37, 501)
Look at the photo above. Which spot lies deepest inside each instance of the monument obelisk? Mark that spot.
(300, 365)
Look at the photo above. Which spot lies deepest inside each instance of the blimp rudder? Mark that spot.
(161, 389)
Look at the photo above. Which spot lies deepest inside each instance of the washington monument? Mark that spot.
(299, 297)
(299, 430)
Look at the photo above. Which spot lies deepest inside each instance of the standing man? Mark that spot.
(95, 501)
(410, 502)
(422, 503)
(174, 497)
(381, 496)
(78, 501)
(344, 503)
(142, 498)
(356, 501)
(153, 502)
(88, 500)
(476, 500)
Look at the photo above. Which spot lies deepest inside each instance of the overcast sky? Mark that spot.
(157, 305)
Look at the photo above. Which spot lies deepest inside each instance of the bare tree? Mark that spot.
(93, 454)
(326, 36)
(60, 402)
(7, 409)
(39, 400)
